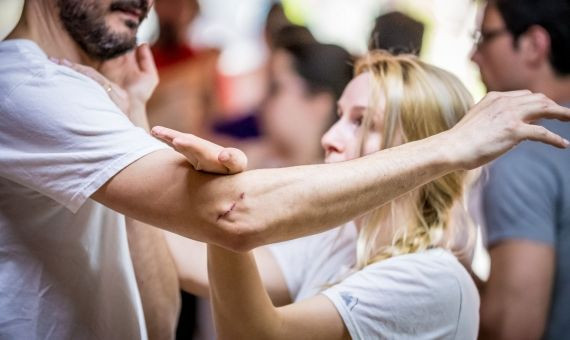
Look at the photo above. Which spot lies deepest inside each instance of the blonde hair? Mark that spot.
(421, 100)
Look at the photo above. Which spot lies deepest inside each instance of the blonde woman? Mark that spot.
(391, 273)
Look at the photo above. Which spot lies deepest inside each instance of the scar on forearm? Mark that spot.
(225, 214)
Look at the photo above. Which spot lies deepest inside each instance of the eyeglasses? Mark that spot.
(481, 37)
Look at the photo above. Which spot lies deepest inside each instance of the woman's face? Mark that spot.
(342, 141)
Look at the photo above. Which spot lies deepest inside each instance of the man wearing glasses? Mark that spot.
(525, 44)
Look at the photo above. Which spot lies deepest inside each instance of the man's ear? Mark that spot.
(535, 45)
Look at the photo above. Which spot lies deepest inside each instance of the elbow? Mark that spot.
(239, 224)
(232, 217)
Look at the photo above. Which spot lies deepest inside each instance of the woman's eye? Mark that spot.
(358, 120)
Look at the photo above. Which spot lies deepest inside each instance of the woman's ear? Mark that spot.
(535, 46)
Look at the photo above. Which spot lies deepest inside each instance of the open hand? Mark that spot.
(499, 122)
(202, 154)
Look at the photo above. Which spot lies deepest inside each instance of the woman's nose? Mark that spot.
(331, 141)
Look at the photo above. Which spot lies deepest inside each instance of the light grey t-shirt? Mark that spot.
(527, 196)
(426, 295)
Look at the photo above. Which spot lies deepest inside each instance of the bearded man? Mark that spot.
(72, 166)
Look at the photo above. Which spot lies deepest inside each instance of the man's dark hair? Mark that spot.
(397, 33)
(323, 67)
(552, 15)
(293, 35)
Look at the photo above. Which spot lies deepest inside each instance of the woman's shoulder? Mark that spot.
(422, 293)
(437, 270)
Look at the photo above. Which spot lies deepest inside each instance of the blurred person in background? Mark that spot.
(275, 21)
(185, 98)
(396, 32)
(245, 125)
(306, 81)
(525, 44)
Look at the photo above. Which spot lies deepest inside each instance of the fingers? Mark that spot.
(202, 154)
(540, 106)
(145, 59)
(233, 159)
(165, 134)
(541, 134)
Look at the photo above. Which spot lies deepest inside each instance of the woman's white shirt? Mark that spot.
(426, 295)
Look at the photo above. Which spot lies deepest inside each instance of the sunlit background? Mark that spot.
(235, 28)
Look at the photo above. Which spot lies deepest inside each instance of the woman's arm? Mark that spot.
(243, 310)
(190, 258)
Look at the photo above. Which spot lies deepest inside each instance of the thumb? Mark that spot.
(233, 159)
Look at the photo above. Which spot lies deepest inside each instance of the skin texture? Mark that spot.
(516, 298)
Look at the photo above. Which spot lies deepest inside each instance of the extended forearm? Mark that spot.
(246, 210)
(278, 204)
(242, 308)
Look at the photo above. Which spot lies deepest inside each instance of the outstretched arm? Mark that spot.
(256, 207)
(242, 308)
(265, 206)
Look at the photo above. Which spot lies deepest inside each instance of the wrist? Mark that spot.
(448, 151)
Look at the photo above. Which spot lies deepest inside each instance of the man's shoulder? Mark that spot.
(21, 62)
(24, 64)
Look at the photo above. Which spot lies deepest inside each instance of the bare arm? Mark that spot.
(516, 298)
(258, 207)
(191, 261)
(157, 279)
(237, 289)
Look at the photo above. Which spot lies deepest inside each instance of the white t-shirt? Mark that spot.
(427, 295)
(65, 267)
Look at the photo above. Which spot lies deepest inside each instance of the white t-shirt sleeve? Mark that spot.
(403, 298)
(63, 137)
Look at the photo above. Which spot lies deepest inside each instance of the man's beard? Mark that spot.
(85, 22)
